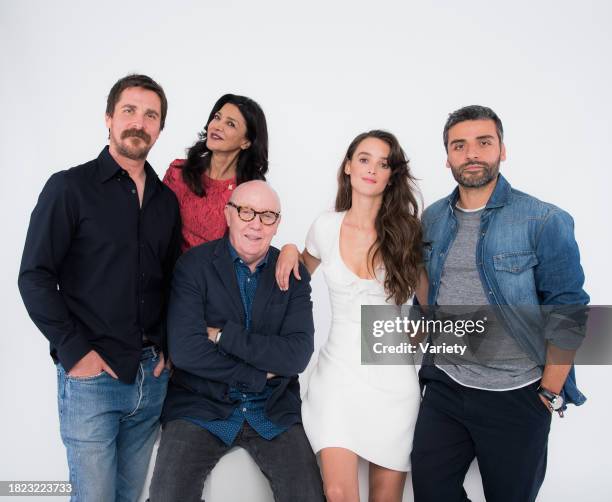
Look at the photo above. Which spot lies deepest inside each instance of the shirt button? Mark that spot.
(243, 395)
(243, 409)
(133, 190)
(490, 292)
(248, 279)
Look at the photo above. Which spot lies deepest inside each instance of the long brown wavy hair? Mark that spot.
(398, 228)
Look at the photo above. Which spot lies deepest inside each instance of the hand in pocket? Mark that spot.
(91, 364)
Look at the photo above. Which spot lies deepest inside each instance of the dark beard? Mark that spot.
(488, 174)
(131, 152)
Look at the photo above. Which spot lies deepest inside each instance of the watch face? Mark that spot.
(557, 403)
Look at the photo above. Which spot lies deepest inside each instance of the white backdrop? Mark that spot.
(323, 72)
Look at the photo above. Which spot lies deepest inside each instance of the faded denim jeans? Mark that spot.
(108, 428)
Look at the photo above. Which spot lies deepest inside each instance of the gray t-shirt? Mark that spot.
(495, 360)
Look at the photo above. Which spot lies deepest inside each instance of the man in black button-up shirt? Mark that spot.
(95, 274)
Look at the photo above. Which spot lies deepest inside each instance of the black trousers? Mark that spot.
(506, 431)
(187, 453)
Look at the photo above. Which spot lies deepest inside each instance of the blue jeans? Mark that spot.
(108, 428)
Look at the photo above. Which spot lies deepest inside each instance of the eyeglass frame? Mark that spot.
(255, 214)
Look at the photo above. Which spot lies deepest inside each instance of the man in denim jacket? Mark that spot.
(489, 244)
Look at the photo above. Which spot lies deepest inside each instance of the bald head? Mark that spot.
(251, 239)
(258, 195)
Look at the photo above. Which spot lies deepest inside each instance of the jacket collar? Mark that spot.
(499, 197)
(227, 274)
(224, 264)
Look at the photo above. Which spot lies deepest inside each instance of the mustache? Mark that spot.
(136, 133)
(474, 163)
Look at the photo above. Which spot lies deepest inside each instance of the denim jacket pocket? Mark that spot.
(514, 274)
(515, 263)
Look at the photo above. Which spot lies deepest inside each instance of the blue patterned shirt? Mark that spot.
(250, 405)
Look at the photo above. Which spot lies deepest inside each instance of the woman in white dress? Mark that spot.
(370, 252)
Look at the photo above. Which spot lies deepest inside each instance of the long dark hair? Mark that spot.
(252, 162)
(398, 228)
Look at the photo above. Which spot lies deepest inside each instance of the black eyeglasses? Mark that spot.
(248, 214)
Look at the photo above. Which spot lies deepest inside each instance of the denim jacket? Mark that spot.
(526, 255)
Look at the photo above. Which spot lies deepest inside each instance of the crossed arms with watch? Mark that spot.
(210, 346)
(214, 335)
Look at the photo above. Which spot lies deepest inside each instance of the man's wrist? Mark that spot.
(555, 389)
(554, 399)
(551, 381)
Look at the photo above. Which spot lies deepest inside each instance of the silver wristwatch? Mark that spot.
(555, 401)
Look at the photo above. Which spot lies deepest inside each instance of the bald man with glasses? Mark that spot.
(237, 343)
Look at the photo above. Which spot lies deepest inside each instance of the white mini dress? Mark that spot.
(368, 409)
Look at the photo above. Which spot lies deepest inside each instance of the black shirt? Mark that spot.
(96, 267)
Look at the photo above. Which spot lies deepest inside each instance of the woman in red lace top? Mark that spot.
(232, 149)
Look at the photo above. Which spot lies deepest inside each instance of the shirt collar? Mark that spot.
(108, 167)
(500, 195)
(236, 257)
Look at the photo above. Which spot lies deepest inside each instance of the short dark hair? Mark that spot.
(472, 112)
(135, 80)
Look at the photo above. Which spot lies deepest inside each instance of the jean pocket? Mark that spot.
(534, 397)
(166, 373)
(86, 378)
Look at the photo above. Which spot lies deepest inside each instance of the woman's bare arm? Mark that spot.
(289, 261)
